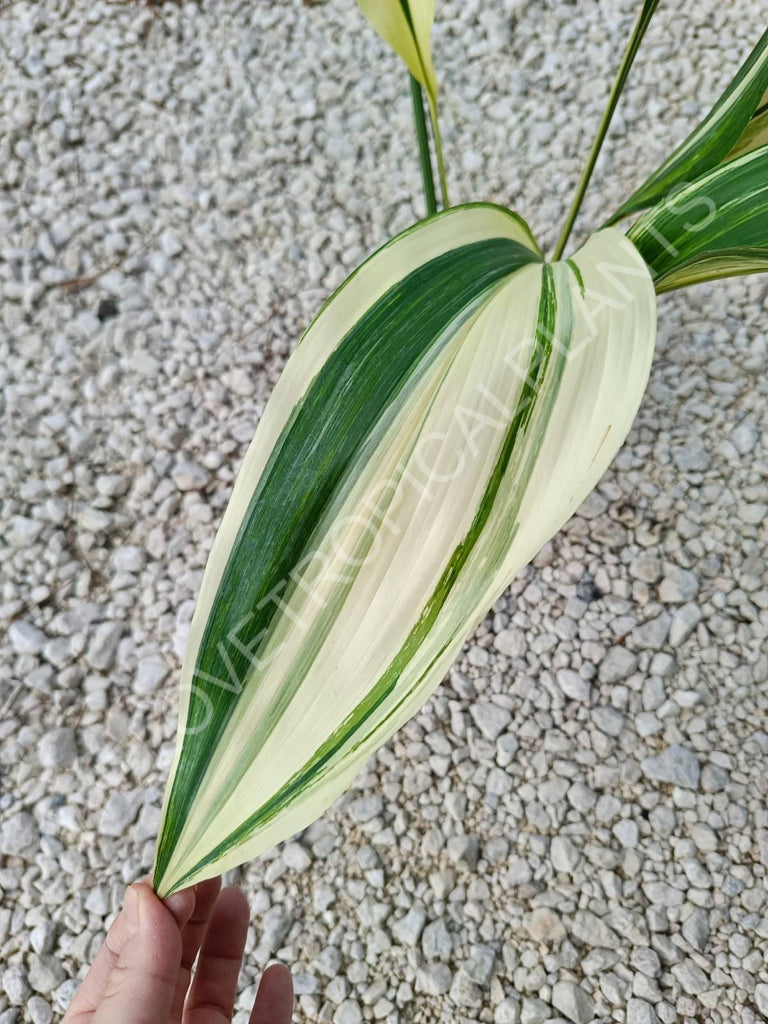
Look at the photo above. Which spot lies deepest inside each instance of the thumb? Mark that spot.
(142, 982)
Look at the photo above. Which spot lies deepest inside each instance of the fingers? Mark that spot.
(274, 1000)
(142, 982)
(108, 959)
(191, 937)
(212, 995)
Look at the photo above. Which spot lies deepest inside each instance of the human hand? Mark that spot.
(142, 972)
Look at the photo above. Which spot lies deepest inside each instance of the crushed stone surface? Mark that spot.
(575, 827)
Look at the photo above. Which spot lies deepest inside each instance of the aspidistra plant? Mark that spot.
(446, 412)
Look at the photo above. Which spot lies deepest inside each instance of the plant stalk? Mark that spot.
(643, 21)
(422, 137)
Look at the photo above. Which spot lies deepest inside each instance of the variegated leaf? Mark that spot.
(716, 227)
(734, 126)
(444, 415)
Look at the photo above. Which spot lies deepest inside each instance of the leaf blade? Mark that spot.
(380, 641)
(727, 240)
(713, 139)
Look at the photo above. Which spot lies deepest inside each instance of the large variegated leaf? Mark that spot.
(735, 125)
(716, 227)
(445, 414)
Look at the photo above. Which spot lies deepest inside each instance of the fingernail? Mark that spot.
(131, 910)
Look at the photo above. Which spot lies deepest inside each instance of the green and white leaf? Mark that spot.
(756, 132)
(714, 228)
(406, 25)
(444, 415)
(735, 125)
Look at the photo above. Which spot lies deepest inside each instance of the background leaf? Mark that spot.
(717, 227)
(717, 138)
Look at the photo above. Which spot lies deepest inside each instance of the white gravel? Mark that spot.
(575, 827)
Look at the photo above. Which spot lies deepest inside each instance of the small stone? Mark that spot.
(691, 977)
(348, 1012)
(101, 650)
(464, 849)
(507, 1012)
(564, 855)
(714, 779)
(464, 992)
(651, 635)
(150, 673)
(511, 642)
(678, 586)
(118, 814)
(589, 929)
(608, 720)
(696, 929)
(436, 941)
(761, 998)
(57, 748)
(365, 808)
(572, 685)
(617, 665)
(544, 925)
(641, 1012)
(188, 476)
(684, 621)
(39, 1010)
(111, 485)
(25, 638)
(15, 985)
(534, 1011)
(490, 719)
(434, 980)
(43, 937)
(275, 925)
(479, 967)
(45, 973)
(19, 836)
(407, 930)
(627, 833)
(129, 559)
(573, 1002)
(296, 857)
(676, 765)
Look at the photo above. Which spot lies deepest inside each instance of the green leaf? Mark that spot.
(446, 412)
(716, 227)
(718, 138)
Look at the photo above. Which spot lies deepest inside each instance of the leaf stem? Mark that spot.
(425, 157)
(439, 152)
(643, 21)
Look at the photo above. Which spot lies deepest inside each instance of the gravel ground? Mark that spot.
(575, 827)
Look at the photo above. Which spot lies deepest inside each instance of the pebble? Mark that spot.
(57, 748)
(45, 973)
(20, 835)
(118, 814)
(25, 638)
(618, 664)
(150, 673)
(641, 1012)
(676, 765)
(684, 621)
(490, 719)
(573, 1002)
(572, 685)
(407, 930)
